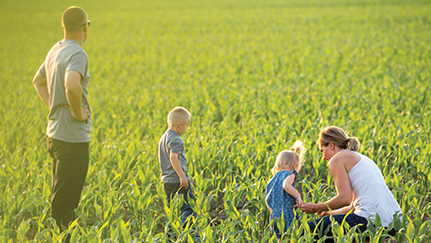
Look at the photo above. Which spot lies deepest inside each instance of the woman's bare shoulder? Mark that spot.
(345, 158)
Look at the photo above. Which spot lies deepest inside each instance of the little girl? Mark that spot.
(281, 195)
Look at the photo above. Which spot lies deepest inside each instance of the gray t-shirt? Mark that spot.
(66, 55)
(171, 142)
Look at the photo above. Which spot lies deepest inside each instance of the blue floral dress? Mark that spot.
(279, 200)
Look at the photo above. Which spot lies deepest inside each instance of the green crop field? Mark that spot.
(256, 76)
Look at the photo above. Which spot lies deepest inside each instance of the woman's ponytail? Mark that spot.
(353, 143)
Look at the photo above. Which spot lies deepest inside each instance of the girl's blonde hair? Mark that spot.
(287, 159)
(338, 137)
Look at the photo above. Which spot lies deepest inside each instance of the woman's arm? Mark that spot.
(342, 210)
(342, 185)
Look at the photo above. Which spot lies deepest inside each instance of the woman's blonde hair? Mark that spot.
(338, 137)
(287, 159)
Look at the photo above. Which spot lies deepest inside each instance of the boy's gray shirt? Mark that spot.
(171, 142)
(64, 56)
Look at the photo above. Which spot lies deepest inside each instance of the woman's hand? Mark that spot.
(308, 208)
(323, 213)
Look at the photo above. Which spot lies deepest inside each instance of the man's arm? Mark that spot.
(41, 86)
(175, 162)
(74, 95)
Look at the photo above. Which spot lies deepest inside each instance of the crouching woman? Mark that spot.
(361, 188)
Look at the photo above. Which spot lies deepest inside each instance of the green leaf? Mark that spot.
(124, 231)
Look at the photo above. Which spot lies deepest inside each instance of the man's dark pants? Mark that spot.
(69, 169)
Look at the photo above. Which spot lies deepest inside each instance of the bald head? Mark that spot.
(73, 19)
(177, 115)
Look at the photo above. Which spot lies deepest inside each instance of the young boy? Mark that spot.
(173, 161)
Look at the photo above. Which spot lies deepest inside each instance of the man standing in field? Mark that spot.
(61, 82)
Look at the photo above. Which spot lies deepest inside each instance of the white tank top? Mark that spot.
(372, 194)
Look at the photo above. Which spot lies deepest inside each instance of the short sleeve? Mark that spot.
(78, 63)
(42, 70)
(176, 145)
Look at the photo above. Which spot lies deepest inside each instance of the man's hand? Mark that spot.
(84, 116)
(184, 182)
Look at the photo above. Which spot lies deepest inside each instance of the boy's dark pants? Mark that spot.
(69, 169)
(171, 189)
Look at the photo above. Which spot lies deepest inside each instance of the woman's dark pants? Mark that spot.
(324, 223)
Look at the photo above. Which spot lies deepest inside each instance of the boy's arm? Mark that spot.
(287, 185)
(175, 162)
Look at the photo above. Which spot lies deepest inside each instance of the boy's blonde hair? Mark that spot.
(177, 115)
(287, 159)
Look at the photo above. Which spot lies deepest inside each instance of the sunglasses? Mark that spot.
(88, 22)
